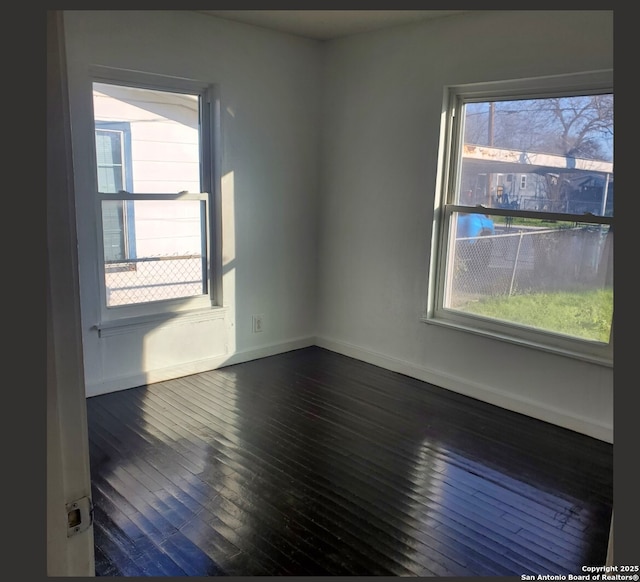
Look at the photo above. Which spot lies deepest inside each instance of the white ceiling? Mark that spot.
(328, 24)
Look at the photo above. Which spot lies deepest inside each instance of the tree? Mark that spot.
(570, 126)
(585, 123)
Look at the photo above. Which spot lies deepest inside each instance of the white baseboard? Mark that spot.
(131, 381)
(473, 389)
(463, 386)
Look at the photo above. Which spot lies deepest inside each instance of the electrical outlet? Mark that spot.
(257, 323)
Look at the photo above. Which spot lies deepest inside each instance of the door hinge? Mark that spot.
(79, 516)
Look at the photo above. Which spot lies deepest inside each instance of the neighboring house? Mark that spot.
(531, 181)
(147, 142)
(143, 145)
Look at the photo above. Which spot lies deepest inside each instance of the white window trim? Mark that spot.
(128, 317)
(446, 182)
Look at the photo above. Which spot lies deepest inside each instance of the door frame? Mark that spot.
(68, 474)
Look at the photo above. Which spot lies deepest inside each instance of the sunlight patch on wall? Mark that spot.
(229, 257)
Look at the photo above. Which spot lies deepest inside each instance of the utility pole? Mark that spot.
(492, 112)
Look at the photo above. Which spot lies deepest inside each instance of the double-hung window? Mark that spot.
(154, 170)
(523, 239)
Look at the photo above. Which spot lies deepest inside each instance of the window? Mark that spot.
(523, 244)
(154, 194)
(113, 159)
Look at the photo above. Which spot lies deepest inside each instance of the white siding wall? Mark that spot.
(164, 159)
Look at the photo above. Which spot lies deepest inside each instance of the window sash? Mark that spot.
(162, 286)
(446, 205)
(208, 117)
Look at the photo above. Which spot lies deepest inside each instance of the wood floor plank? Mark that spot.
(345, 494)
(313, 463)
(516, 530)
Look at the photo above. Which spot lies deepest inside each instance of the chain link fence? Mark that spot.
(528, 261)
(154, 279)
(505, 264)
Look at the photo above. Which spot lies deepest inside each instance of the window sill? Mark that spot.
(159, 321)
(559, 351)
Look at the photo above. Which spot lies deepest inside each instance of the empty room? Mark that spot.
(330, 292)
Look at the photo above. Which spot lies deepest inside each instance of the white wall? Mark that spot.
(382, 100)
(329, 169)
(269, 89)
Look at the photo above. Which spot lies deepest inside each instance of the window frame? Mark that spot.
(447, 183)
(210, 164)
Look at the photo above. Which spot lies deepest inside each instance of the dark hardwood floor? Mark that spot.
(313, 463)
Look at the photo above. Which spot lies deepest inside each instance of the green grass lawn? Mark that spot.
(585, 315)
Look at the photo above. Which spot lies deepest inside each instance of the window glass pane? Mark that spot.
(170, 259)
(165, 139)
(552, 154)
(113, 230)
(109, 147)
(109, 157)
(552, 276)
